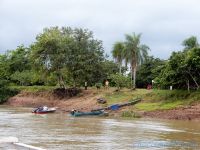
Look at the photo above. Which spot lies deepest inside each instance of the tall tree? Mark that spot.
(85, 57)
(118, 54)
(50, 50)
(69, 52)
(135, 53)
(190, 43)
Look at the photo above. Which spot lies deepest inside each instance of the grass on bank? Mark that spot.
(154, 99)
(33, 88)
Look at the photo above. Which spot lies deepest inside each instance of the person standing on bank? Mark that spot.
(85, 85)
(106, 84)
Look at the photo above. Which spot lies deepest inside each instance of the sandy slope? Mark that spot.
(86, 101)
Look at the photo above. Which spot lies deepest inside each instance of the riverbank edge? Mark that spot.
(86, 101)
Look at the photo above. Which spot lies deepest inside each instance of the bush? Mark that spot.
(98, 85)
(130, 114)
(6, 92)
(120, 80)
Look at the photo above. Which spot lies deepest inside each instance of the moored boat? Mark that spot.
(91, 113)
(41, 110)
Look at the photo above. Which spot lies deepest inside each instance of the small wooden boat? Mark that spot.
(39, 111)
(117, 106)
(92, 113)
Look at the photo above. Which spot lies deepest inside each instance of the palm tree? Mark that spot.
(117, 53)
(135, 53)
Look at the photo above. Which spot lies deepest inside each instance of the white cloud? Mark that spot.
(164, 24)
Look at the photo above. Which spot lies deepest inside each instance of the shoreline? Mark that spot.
(87, 101)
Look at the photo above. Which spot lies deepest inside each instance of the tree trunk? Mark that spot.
(59, 81)
(62, 81)
(134, 77)
(131, 76)
(194, 80)
(120, 69)
(188, 85)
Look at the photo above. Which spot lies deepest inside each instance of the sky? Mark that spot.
(164, 24)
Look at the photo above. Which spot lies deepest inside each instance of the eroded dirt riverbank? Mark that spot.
(87, 100)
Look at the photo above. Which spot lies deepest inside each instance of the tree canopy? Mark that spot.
(69, 57)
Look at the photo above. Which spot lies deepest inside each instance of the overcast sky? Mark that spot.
(164, 24)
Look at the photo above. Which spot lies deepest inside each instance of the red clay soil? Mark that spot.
(86, 101)
(182, 113)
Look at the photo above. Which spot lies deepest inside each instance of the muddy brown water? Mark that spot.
(59, 131)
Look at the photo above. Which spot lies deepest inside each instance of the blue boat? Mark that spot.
(92, 113)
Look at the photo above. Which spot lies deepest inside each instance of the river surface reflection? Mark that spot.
(59, 131)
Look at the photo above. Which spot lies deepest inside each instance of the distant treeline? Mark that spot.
(70, 57)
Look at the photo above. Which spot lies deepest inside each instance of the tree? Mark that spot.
(85, 57)
(148, 71)
(118, 54)
(135, 53)
(18, 59)
(4, 67)
(119, 80)
(190, 43)
(192, 65)
(68, 52)
(182, 68)
(50, 50)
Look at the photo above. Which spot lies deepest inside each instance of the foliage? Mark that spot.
(85, 58)
(108, 68)
(130, 114)
(118, 53)
(18, 59)
(135, 53)
(5, 92)
(4, 67)
(190, 43)
(132, 52)
(149, 71)
(74, 50)
(182, 70)
(33, 89)
(25, 77)
(120, 80)
(98, 85)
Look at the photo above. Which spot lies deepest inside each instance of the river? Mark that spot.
(60, 131)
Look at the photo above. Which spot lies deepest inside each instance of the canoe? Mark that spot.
(117, 106)
(49, 110)
(92, 113)
(133, 102)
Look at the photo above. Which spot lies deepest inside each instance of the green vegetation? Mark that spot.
(129, 114)
(148, 71)
(33, 88)
(120, 80)
(154, 99)
(159, 105)
(63, 57)
(132, 52)
(6, 92)
(183, 68)
(66, 57)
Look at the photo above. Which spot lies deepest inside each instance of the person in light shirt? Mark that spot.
(45, 108)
